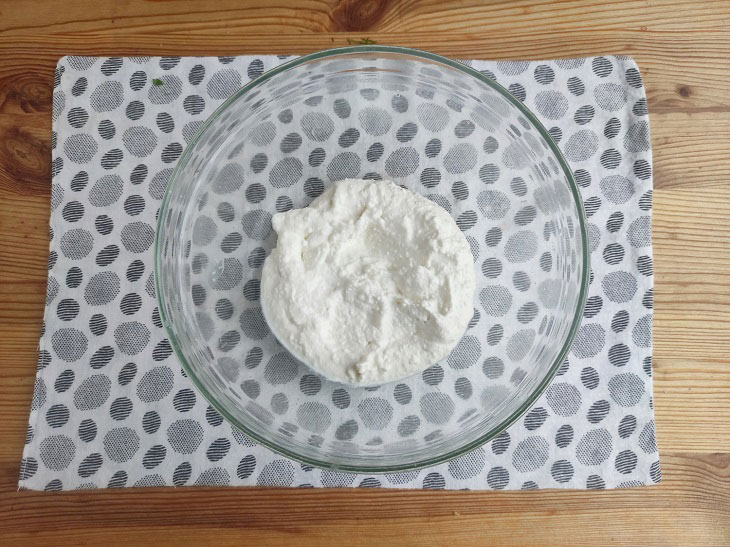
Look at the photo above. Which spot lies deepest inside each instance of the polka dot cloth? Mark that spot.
(111, 405)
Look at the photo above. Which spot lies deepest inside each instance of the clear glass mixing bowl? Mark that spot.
(436, 127)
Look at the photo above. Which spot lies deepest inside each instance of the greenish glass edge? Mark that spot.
(575, 325)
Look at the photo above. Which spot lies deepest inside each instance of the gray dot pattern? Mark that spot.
(128, 415)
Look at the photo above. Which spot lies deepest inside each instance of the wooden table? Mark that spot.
(683, 49)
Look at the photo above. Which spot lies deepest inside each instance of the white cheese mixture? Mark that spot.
(369, 284)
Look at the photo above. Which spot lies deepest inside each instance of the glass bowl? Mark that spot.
(436, 127)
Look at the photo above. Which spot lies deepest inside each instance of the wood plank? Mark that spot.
(692, 505)
(25, 152)
(691, 404)
(690, 150)
(24, 237)
(691, 235)
(310, 16)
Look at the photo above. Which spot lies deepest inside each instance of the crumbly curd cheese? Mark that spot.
(368, 284)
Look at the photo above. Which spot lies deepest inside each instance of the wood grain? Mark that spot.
(692, 505)
(253, 17)
(682, 48)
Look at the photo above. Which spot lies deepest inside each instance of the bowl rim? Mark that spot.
(537, 391)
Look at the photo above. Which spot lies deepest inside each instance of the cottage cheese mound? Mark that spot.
(369, 284)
